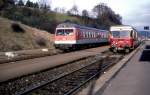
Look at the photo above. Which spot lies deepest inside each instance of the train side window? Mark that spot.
(84, 34)
(132, 34)
(80, 34)
(96, 34)
(92, 35)
(104, 35)
(135, 35)
(99, 35)
(89, 34)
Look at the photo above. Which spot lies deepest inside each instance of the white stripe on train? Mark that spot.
(84, 41)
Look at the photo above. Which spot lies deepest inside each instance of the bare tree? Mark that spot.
(29, 4)
(56, 9)
(100, 9)
(60, 10)
(119, 17)
(105, 15)
(6, 3)
(63, 10)
(36, 5)
(85, 13)
(20, 3)
(85, 17)
(74, 10)
(45, 4)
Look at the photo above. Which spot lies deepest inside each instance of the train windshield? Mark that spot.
(120, 34)
(64, 32)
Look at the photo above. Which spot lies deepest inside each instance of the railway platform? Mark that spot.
(25, 67)
(133, 78)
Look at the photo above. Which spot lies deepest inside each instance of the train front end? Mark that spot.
(65, 37)
(122, 38)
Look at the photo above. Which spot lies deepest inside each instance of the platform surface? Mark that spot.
(24, 67)
(133, 78)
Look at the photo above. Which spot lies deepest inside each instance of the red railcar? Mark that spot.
(123, 38)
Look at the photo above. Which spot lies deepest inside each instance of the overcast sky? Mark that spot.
(134, 12)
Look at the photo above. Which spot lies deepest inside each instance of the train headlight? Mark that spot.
(113, 45)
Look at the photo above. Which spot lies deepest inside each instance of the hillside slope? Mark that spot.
(48, 20)
(16, 36)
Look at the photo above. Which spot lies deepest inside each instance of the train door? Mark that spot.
(134, 38)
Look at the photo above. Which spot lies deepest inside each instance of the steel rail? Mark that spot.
(89, 79)
(32, 88)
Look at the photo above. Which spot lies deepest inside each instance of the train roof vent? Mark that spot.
(66, 25)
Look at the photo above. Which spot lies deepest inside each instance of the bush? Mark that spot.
(16, 47)
(41, 41)
(17, 28)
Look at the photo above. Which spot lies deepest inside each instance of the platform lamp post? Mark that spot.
(146, 28)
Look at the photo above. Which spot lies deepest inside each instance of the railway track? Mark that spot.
(70, 81)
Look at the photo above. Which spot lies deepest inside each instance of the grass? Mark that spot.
(12, 41)
(61, 17)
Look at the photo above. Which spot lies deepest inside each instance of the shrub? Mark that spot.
(17, 28)
(16, 47)
(41, 41)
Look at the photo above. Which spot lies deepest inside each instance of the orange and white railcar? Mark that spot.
(72, 36)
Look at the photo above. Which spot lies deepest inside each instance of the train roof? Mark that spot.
(72, 25)
(122, 27)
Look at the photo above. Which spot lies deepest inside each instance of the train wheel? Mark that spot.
(115, 50)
